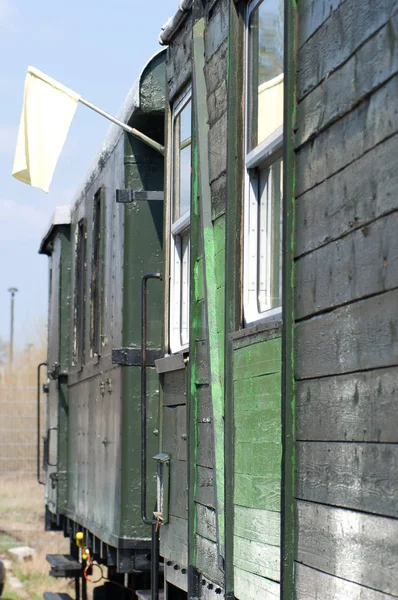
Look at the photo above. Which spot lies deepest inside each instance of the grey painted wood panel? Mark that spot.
(355, 546)
(206, 522)
(174, 388)
(179, 59)
(205, 452)
(217, 141)
(312, 14)
(349, 138)
(351, 198)
(215, 68)
(249, 586)
(353, 475)
(216, 30)
(207, 560)
(174, 541)
(257, 557)
(175, 431)
(178, 506)
(331, 46)
(205, 410)
(359, 407)
(374, 63)
(356, 337)
(314, 585)
(363, 263)
(205, 493)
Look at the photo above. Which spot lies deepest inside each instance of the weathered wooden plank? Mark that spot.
(202, 362)
(218, 197)
(216, 30)
(257, 408)
(313, 585)
(355, 546)
(353, 197)
(259, 491)
(206, 525)
(331, 45)
(374, 63)
(178, 489)
(257, 557)
(218, 156)
(174, 541)
(207, 560)
(349, 138)
(205, 411)
(258, 525)
(205, 487)
(359, 407)
(313, 13)
(352, 475)
(356, 337)
(217, 102)
(258, 359)
(174, 388)
(175, 431)
(179, 59)
(205, 449)
(359, 265)
(249, 586)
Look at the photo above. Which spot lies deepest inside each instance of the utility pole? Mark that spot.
(13, 291)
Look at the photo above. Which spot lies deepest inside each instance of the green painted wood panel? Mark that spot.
(257, 467)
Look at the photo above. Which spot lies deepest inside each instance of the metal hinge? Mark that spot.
(131, 357)
(129, 195)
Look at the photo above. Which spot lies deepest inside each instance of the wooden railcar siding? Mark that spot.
(346, 280)
(257, 477)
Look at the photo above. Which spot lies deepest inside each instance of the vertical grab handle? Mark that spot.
(143, 392)
(42, 364)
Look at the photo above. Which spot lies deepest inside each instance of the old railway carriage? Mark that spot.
(241, 328)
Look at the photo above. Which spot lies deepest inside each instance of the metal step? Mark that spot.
(52, 596)
(146, 594)
(64, 565)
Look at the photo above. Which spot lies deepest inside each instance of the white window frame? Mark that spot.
(263, 155)
(179, 253)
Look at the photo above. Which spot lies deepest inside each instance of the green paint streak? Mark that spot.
(212, 241)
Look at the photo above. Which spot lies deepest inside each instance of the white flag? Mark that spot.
(47, 113)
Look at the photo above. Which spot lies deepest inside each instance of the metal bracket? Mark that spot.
(129, 195)
(131, 357)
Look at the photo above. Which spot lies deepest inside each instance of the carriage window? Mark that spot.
(262, 296)
(80, 293)
(180, 223)
(97, 274)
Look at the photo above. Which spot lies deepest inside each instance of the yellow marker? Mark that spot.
(79, 539)
(84, 554)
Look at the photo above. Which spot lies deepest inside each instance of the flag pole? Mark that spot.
(138, 134)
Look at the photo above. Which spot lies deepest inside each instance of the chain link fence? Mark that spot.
(18, 429)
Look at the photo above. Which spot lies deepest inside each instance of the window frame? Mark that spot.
(179, 229)
(79, 304)
(97, 273)
(266, 153)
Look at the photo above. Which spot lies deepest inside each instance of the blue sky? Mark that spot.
(96, 48)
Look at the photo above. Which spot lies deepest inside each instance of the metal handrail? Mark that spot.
(42, 364)
(143, 392)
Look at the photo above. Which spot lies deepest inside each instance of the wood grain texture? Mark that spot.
(360, 407)
(361, 264)
(363, 191)
(252, 587)
(356, 337)
(178, 489)
(349, 138)
(259, 359)
(179, 59)
(257, 557)
(313, 13)
(354, 546)
(330, 46)
(258, 525)
(358, 476)
(257, 403)
(205, 450)
(206, 522)
(207, 560)
(174, 541)
(374, 63)
(205, 487)
(314, 585)
(175, 431)
(217, 137)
